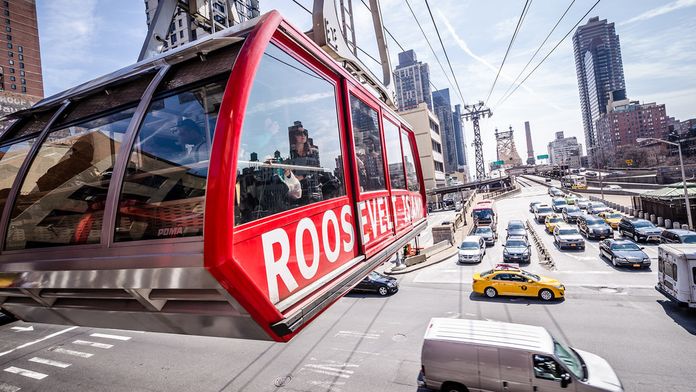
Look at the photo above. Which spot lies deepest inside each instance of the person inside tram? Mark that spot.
(304, 154)
(192, 138)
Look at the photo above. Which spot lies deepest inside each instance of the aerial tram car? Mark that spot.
(235, 187)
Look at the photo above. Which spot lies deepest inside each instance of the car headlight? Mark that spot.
(391, 283)
(646, 260)
(558, 286)
(621, 259)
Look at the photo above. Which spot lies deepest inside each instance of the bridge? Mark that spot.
(493, 183)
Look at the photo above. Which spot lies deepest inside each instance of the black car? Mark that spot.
(516, 228)
(571, 214)
(375, 282)
(593, 227)
(639, 230)
(6, 318)
(624, 253)
(678, 236)
(517, 250)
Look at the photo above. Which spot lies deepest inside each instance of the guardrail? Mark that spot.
(544, 254)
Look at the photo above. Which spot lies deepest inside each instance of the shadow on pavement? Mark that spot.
(685, 317)
(515, 300)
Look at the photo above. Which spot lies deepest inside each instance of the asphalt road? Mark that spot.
(368, 343)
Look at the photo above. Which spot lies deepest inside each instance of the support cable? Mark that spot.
(552, 50)
(512, 40)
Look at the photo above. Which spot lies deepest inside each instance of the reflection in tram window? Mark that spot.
(61, 201)
(410, 163)
(394, 160)
(11, 158)
(368, 146)
(164, 186)
(279, 171)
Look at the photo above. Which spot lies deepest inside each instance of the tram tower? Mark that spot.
(506, 148)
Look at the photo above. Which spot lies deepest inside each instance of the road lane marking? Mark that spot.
(26, 373)
(49, 362)
(37, 341)
(355, 334)
(93, 344)
(74, 353)
(107, 336)
(8, 388)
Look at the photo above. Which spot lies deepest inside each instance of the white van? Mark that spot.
(676, 274)
(472, 355)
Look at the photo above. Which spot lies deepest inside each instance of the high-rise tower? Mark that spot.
(530, 148)
(599, 71)
(443, 111)
(412, 82)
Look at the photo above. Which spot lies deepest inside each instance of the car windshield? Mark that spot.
(516, 244)
(544, 210)
(374, 275)
(567, 232)
(625, 246)
(483, 230)
(613, 216)
(486, 273)
(483, 214)
(689, 239)
(598, 205)
(581, 200)
(515, 226)
(559, 202)
(469, 245)
(569, 358)
(572, 209)
(642, 224)
(531, 275)
(594, 221)
(555, 220)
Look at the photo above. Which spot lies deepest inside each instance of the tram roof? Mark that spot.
(203, 46)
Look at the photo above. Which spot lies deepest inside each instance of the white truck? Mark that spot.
(676, 275)
(462, 355)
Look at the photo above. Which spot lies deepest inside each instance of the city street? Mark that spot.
(369, 343)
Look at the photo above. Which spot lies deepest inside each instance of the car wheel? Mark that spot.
(490, 292)
(545, 294)
(383, 291)
(635, 237)
(613, 261)
(453, 387)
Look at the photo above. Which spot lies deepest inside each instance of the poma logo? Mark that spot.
(170, 231)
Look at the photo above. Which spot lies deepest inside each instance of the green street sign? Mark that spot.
(545, 156)
(499, 162)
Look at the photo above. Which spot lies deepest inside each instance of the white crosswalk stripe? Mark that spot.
(74, 353)
(4, 387)
(26, 373)
(49, 362)
(107, 336)
(93, 344)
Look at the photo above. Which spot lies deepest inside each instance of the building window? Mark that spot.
(394, 160)
(9, 37)
(368, 146)
(14, 87)
(21, 65)
(24, 81)
(11, 62)
(24, 89)
(181, 34)
(21, 57)
(8, 29)
(11, 70)
(181, 23)
(6, 13)
(12, 79)
(21, 73)
(20, 49)
(302, 135)
(173, 39)
(9, 45)
(10, 53)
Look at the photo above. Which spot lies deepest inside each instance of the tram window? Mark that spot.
(163, 190)
(368, 146)
(31, 124)
(62, 198)
(5, 124)
(11, 158)
(290, 149)
(394, 160)
(411, 176)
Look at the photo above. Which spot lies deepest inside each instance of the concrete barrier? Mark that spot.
(640, 214)
(417, 259)
(653, 218)
(443, 233)
(668, 223)
(660, 221)
(676, 225)
(685, 227)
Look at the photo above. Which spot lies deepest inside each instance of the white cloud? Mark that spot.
(667, 8)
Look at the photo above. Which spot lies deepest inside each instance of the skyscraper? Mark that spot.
(21, 82)
(412, 80)
(599, 71)
(183, 30)
(443, 111)
(459, 139)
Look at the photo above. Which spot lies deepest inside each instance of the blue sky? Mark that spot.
(83, 39)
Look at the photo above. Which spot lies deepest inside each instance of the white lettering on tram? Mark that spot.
(277, 262)
(380, 215)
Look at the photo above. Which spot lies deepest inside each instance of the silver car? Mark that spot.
(471, 250)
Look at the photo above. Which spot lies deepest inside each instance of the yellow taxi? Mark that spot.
(612, 218)
(508, 279)
(552, 221)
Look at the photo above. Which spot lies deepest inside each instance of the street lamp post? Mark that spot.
(681, 164)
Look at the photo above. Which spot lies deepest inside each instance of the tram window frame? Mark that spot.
(29, 139)
(408, 141)
(176, 235)
(340, 185)
(101, 206)
(388, 144)
(354, 93)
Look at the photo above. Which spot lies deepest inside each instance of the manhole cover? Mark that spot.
(399, 337)
(282, 381)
